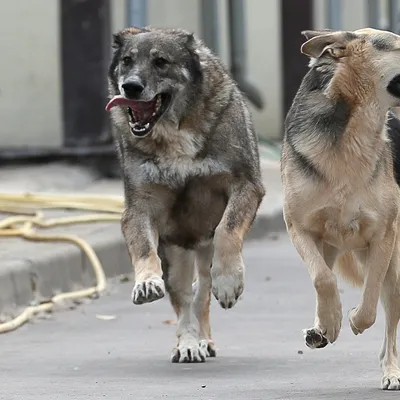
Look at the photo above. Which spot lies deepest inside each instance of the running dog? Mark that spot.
(190, 163)
(341, 198)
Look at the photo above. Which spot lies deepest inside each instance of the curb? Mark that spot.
(31, 273)
(34, 279)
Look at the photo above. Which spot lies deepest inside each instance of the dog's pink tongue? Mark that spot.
(118, 101)
(143, 109)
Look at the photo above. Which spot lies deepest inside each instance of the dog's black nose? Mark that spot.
(133, 89)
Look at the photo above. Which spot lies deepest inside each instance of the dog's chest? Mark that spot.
(176, 160)
(343, 222)
(190, 214)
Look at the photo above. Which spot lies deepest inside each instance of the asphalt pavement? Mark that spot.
(108, 348)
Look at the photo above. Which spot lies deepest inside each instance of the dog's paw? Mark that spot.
(391, 380)
(149, 290)
(328, 321)
(227, 288)
(359, 322)
(315, 339)
(190, 351)
(211, 349)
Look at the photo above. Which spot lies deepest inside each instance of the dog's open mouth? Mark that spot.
(143, 115)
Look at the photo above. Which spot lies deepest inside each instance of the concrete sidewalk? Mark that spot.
(31, 272)
(110, 349)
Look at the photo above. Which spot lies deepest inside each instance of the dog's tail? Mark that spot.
(350, 269)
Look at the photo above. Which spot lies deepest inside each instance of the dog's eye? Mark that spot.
(127, 60)
(160, 62)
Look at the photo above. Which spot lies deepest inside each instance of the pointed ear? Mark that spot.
(334, 44)
(118, 37)
(117, 41)
(310, 34)
(190, 40)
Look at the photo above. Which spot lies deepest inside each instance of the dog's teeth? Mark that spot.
(154, 114)
(131, 124)
(147, 125)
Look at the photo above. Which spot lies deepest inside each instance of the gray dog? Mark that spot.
(191, 172)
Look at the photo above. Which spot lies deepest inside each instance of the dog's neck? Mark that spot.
(169, 142)
(352, 154)
(340, 132)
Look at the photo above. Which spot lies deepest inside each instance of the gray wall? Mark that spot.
(264, 69)
(30, 86)
(30, 98)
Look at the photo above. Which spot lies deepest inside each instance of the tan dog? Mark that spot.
(342, 201)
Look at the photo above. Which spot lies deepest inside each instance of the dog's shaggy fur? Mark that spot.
(341, 198)
(190, 163)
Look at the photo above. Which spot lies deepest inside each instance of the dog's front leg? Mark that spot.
(142, 241)
(227, 267)
(328, 315)
(377, 260)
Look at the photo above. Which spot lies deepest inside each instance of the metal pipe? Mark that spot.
(334, 14)
(373, 13)
(238, 54)
(394, 8)
(137, 13)
(210, 24)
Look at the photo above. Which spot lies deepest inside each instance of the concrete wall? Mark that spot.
(30, 83)
(30, 74)
(354, 14)
(263, 24)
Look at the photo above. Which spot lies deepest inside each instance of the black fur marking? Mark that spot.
(318, 78)
(313, 113)
(304, 165)
(393, 129)
(333, 119)
(381, 44)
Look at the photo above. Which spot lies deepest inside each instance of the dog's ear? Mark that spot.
(333, 44)
(190, 40)
(314, 33)
(118, 37)
(117, 41)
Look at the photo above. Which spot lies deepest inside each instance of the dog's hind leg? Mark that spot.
(202, 297)
(179, 273)
(376, 260)
(390, 297)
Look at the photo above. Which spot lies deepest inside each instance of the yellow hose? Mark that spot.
(29, 216)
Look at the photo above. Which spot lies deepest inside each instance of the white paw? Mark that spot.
(391, 380)
(190, 350)
(227, 287)
(149, 290)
